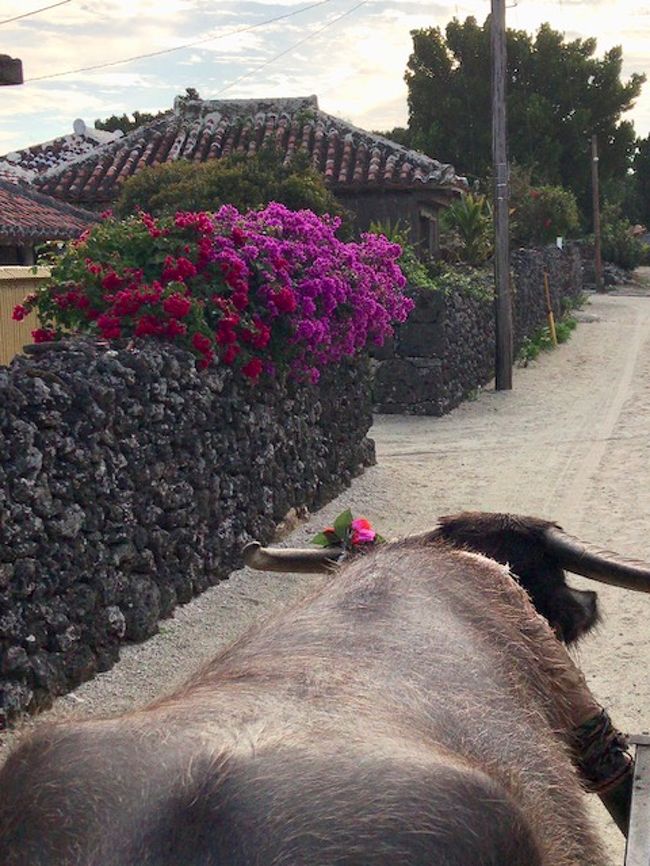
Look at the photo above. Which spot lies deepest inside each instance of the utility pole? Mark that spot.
(598, 259)
(503, 304)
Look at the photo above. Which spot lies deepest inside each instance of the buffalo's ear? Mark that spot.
(572, 613)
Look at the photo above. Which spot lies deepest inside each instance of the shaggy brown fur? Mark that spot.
(399, 715)
(519, 543)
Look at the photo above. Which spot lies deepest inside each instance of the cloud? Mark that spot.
(355, 66)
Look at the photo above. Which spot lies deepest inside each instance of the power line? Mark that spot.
(291, 48)
(201, 41)
(35, 12)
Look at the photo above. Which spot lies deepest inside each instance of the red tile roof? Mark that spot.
(27, 217)
(201, 129)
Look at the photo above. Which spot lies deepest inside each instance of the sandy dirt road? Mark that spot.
(571, 442)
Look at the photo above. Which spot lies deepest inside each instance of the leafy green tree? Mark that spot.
(558, 95)
(618, 244)
(126, 123)
(544, 213)
(642, 180)
(139, 118)
(244, 181)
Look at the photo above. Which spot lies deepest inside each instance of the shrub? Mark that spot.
(618, 245)
(246, 182)
(469, 221)
(418, 274)
(543, 213)
(257, 291)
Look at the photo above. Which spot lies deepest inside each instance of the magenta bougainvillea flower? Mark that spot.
(262, 291)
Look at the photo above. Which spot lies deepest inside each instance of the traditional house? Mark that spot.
(377, 179)
(29, 218)
(24, 166)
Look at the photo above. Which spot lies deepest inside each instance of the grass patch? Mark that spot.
(541, 340)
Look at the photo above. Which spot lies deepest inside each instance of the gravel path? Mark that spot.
(570, 442)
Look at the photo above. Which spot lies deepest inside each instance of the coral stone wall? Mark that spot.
(129, 482)
(445, 350)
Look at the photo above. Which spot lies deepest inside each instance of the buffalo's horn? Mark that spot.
(290, 559)
(602, 565)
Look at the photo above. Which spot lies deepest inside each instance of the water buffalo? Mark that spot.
(414, 709)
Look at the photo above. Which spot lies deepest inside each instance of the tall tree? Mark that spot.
(558, 95)
(642, 178)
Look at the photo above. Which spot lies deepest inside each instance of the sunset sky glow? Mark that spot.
(350, 53)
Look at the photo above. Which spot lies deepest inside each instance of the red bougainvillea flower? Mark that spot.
(230, 355)
(43, 335)
(109, 326)
(19, 313)
(202, 343)
(177, 306)
(174, 328)
(285, 300)
(253, 369)
(112, 282)
(148, 325)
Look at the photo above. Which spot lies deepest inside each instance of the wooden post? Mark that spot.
(549, 310)
(503, 305)
(598, 260)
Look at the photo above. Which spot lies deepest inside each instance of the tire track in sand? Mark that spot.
(576, 478)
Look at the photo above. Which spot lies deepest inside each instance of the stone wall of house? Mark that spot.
(129, 482)
(445, 350)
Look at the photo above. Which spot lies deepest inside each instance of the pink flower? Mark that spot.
(362, 531)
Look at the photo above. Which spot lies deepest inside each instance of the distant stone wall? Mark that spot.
(129, 482)
(445, 350)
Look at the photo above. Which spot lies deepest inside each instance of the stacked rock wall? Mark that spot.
(129, 482)
(445, 350)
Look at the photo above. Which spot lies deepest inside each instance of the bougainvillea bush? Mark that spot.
(259, 291)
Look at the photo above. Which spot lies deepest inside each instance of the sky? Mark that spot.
(350, 53)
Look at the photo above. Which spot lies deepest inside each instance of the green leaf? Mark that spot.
(342, 524)
(320, 539)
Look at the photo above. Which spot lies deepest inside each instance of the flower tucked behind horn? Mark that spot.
(347, 533)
